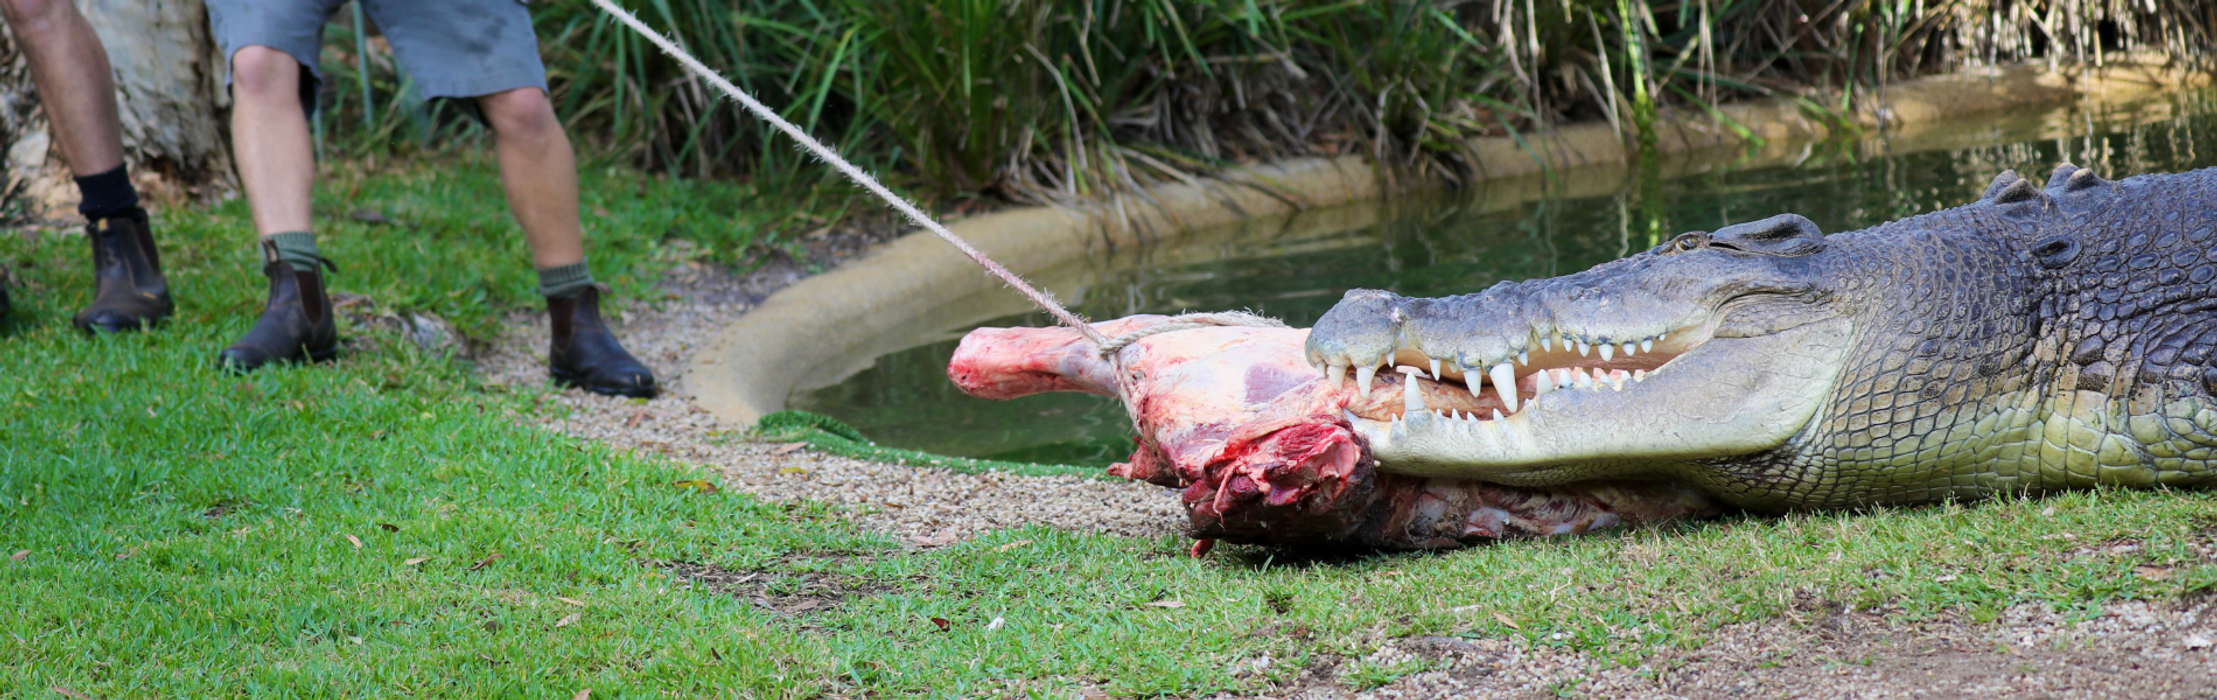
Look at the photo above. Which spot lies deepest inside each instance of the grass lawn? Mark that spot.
(386, 526)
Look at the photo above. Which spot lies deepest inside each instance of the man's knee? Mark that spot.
(32, 17)
(261, 72)
(522, 112)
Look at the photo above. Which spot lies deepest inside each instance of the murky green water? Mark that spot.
(1439, 244)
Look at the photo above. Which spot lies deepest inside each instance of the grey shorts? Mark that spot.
(452, 48)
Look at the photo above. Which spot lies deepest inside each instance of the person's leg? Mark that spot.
(277, 166)
(74, 81)
(539, 172)
(272, 47)
(270, 141)
(486, 49)
(77, 88)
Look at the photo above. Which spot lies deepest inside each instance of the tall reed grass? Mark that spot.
(1034, 100)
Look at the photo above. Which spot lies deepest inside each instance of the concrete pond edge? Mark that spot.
(750, 368)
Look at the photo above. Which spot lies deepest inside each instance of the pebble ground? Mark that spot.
(926, 507)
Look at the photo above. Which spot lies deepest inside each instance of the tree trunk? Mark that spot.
(169, 88)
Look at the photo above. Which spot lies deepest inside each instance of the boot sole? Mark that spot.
(137, 327)
(635, 392)
(313, 357)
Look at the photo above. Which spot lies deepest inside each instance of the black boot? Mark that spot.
(584, 354)
(129, 291)
(295, 325)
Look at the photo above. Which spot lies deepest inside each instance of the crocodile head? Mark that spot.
(1712, 345)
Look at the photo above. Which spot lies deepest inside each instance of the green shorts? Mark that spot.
(452, 48)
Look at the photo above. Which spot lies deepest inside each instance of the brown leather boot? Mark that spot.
(129, 292)
(296, 323)
(584, 354)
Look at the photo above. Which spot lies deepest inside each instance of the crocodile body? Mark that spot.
(2041, 338)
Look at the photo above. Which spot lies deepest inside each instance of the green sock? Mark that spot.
(564, 281)
(296, 248)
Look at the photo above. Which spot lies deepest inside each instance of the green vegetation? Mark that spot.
(168, 530)
(1036, 100)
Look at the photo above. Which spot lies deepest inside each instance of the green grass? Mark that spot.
(186, 533)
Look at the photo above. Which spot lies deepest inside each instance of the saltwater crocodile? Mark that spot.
(2042, 338)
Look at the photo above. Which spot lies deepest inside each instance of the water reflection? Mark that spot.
(1437, 244)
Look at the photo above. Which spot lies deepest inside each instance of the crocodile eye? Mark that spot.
(2056, 252)
(1689, 241)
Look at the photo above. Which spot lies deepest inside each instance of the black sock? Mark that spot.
(107, 194)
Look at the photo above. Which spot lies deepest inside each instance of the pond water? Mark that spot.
(1294, 268)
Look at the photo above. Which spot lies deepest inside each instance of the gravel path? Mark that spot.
(927, 507)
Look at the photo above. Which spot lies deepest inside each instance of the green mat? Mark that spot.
(827, 434)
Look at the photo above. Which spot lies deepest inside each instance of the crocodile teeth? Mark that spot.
(1363, 378)
(1548, 342)
(1412, 398)
(1436, 368)
(1504, 383)
(1336, 375)
(1583, 348)
(1497, 414)
(1524, 358)
(1585, 381)
(1542, 384)
(1648, 345)
(1631, 349)
(1616, 380)
(1639, 375)
(1608, 351)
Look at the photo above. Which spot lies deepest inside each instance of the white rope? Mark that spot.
(914, 215)
(1109, 348)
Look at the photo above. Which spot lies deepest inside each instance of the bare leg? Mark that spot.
(539, 173)
(74, 81)
(269, 136)
(277, 164)
(77, 87)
